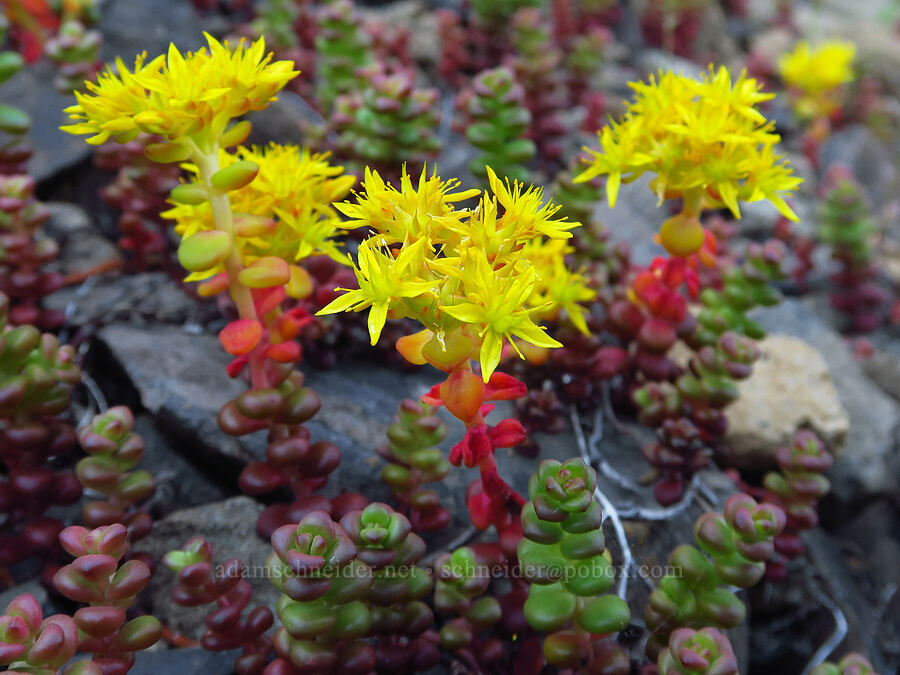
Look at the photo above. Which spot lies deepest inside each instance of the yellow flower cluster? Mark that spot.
(703, 140)
(180, 96)
(473, 277)
(286, 211)
(815, 75)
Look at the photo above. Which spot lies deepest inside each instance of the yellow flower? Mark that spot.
(409, 213)
(294, 189)
(496, 305)
(383, 281)
(177, 96)
(816, 75)
(458, 271)
(701, 139)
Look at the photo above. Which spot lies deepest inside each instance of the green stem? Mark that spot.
(692, 203)
(223, 220)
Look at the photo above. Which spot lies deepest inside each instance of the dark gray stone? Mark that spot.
(132, 26)
(863, 470)
(180, 380)
(191, 661)
(53, 150)
(634, 220)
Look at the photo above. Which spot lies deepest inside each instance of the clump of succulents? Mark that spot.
(200, 583)
(851, 664)
(96, 578)
(497, 122)
(36, 380)
(342, 48)
(387, 122)
(414, 460)
(113, 451)
(734, 546)
(698, 652)
(845, 225)
(563, 554)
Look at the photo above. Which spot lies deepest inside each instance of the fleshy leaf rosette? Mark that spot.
(323, 610)
(200, 584)
(563, 554)
(95, 577)
(851, 664)
(414, 461)
(30, 643)
(738, 542)
(461, 582)
(703, 652)
(113, 450)
(385, 542)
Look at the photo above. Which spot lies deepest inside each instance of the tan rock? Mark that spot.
(791, 388)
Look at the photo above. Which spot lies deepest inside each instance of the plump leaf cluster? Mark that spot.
(497, 122)
(344, 582)
(342, 47)
(199, 583)
(414, 461)
(734, 546)
(388, 121)
(745, 286)
(113, 451)
(844, 220)
(703, 652)
(851, 664)
(460, 587)
(30, 643)
(563, 553)
(95, 577)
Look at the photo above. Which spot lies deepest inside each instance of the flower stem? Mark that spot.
(223, 221)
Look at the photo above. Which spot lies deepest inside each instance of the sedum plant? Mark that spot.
(497, 121)
(113, 450)
(467, 276)
(563, 554)
(414, 460)
(704, 142)
(29, 643)
(816, 75)
(36, 380)
(387, 121)
(845, 225)
(851, 664)
(342, 47)
(246, 217)
(734, 546)
(95, 577)
(226, 626)
(698, 652)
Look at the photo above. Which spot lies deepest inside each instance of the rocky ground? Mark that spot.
(150, 345)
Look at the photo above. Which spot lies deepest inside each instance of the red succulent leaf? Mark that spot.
(241, 336)
(503, 387)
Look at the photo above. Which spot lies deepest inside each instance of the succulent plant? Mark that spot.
(342, 47)
(323, 609)
(113, 450)
(563, 553)
(497, 121)
(414, 461)
(387, 121)
(703, 652)
(109, 589)
(738, 542)
(36, 379)
(29, 641)
(851, 664)
(846, 226)
(199, 583)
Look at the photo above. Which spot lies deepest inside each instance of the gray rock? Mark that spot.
(139, 299)
(132, 26)
(191, 661)
(864, 469)
(634, 220)
(53, 150)
(229, 526)
(180, 380)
